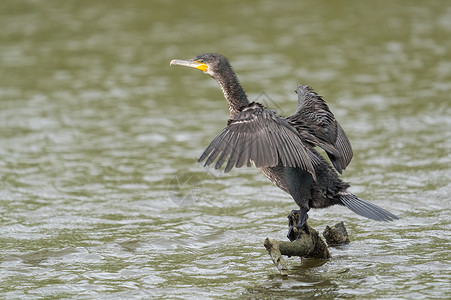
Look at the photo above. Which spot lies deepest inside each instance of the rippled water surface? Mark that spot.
(100, 192)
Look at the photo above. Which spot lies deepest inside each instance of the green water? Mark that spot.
(100, 192)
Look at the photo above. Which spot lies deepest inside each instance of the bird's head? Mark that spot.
(209, 63)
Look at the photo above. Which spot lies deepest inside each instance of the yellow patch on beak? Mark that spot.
(203, 67)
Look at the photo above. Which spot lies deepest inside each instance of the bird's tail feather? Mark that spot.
(366, 209)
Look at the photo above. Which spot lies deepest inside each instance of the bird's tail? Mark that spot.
(366, 209)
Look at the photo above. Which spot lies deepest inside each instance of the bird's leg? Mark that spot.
(297, 219)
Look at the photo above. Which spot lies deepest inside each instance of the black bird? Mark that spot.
(283, 148)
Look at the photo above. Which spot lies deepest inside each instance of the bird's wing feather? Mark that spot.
(343, 145)
(257, 135)
(317, 125)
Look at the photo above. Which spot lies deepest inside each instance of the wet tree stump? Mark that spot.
(337, 235)
(306, 244)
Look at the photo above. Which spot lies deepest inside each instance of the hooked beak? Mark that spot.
(190, 63)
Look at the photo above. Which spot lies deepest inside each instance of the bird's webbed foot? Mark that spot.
(297, 219)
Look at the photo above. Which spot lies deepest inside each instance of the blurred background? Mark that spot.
(100, 192)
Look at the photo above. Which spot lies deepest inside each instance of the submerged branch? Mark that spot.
(305, 245)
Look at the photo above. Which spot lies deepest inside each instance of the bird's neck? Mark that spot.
(234, 93)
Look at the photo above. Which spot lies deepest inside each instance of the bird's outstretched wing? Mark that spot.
(317, 125)
(257, 135)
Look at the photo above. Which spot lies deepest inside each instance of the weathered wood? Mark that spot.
(336, 235)
(307, 243)
(274, 251)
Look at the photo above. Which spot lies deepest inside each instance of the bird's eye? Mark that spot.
(201, 61)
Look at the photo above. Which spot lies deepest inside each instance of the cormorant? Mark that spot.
(283, 148)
